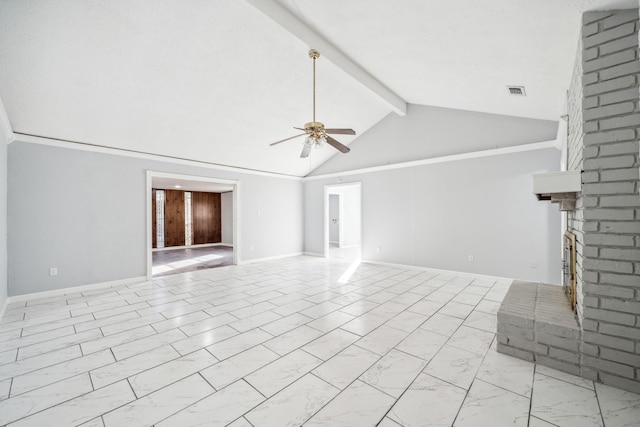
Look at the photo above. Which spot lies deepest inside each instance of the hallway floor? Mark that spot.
(174, 261)
(298, 341)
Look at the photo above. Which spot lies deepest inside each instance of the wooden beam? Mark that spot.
(301, 30)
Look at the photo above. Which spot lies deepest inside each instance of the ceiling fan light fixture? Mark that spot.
(309, 141)
(321, 141)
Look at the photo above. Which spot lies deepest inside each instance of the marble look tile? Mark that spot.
(285, 324)
(422, 343)
(208, 324)
(141, 308)
(471, 339)
(8, 357)
(181, 311)
(17, 321)
(619, 407)
(483, 321)
(381, 340)
(155, 378)
(440, 296)
(507, 372)
(358, 308)
(563, 403)
(559, 375)
(456, 309)
(42, 398)
(407, 321)
(425, 307)
(115, 372)
(255, 321)
(224, 373)
(36, 338)
(381, 297)
(394, 372)
(240, 422)
(487, 404)
(57, 343)
(238, 343)
(145, 311)
(331, 343)
(12, 335)
(279, 374)
(93, 324)
(342, 369)
(428, 402)
(364, 324)
(160, 404)
(116, 339)
(537, 422)
(60, 371)
(144, 344)
(5, 387)
(467, 298)
(293, 405)
(21, 367)
(131, 324)
(322, 309)
(293, 307)
(488, 306)
(358, 405)
(43, 327)
(331, 321)
(83, 409)
(204, 339)
(388, 422)
(179, 321)
(292, 340)
(455, 366)
(218, 409)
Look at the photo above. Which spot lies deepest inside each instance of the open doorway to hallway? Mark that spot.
(192, 223)
(343, 217)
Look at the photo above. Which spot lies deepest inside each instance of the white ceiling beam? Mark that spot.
(301, 30)
(5, 125)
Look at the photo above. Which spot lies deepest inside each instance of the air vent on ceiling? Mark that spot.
(516, 90)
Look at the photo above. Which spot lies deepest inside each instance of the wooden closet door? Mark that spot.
(206, 218)
(174, 218)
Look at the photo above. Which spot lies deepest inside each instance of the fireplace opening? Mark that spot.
(569, 267)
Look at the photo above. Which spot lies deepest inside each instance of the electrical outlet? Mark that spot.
(53, 271)
(470, 258)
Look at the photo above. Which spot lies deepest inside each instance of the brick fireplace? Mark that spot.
(602, 340)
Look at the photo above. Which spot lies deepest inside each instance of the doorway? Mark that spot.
(190, 254)
(343, 221)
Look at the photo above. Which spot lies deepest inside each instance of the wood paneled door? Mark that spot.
(206, 218)
(174, 218)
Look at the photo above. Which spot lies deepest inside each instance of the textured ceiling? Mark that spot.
(218, 81)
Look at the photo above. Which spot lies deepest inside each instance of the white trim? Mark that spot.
(437, 270)
(147, 156)
(203, 245)
(442, 159)
(334, 242)
(315, 254)
(236, 211)
(271, 258)
(303, 31)
(74, 289)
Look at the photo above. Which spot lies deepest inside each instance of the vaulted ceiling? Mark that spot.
(217, 81)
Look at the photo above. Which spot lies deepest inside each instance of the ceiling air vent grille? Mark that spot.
(516, 90)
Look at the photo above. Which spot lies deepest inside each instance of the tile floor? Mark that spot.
(172, 261)
(298, 341)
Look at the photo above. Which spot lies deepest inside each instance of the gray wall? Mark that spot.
(427, 132)
(85, 213)
(437, 215)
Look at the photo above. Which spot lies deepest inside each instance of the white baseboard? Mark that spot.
(74, 289)
(437, 270)
(269, 258)
(314, 254)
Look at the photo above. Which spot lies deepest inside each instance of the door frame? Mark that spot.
(328, 190)
(235, 184)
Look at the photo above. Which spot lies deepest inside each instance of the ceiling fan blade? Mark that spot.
(341, 131)
(300, 128)
(305, 151)
(286, 139)
(337, 145)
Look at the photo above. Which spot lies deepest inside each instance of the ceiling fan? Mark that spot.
(316, 133)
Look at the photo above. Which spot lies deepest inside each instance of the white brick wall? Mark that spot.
(603, 142)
